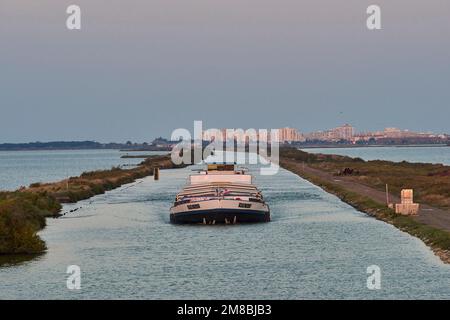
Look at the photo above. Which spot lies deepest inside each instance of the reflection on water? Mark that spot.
(7, 261)
(315, 247)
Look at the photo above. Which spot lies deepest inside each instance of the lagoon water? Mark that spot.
(315, 247)
(20, 168)
(424, 154)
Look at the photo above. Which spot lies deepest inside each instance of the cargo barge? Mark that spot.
(220, 194)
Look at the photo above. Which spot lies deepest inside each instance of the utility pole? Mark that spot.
(387, 194)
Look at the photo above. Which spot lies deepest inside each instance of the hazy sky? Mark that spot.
(139, 69)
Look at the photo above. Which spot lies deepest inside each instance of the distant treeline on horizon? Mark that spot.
(73, 145)
(164, 145)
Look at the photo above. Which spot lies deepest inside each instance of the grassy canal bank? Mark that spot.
(360, 184)
(23, 212)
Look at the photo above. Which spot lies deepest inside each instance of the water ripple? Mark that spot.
(316, 247)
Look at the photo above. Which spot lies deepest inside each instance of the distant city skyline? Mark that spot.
(288, 134)
(343, 132)
(349, 133)
(142, 71)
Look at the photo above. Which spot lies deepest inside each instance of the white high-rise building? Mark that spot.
(290, 135)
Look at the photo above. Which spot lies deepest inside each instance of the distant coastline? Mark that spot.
(80, 145)
(165, 145)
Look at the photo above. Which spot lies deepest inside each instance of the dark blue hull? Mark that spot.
(219, 216)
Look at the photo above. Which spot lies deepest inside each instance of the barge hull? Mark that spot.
(220, 216)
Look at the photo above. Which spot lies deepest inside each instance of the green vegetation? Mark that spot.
(89, 184)
(430, 235)
(23, 212)
(431, 182)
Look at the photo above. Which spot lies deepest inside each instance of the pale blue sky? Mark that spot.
(139, 69)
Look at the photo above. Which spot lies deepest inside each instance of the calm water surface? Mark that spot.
(20, 168)
(315, 247)
(397, 154)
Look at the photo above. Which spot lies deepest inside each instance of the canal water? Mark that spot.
(316, 247)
